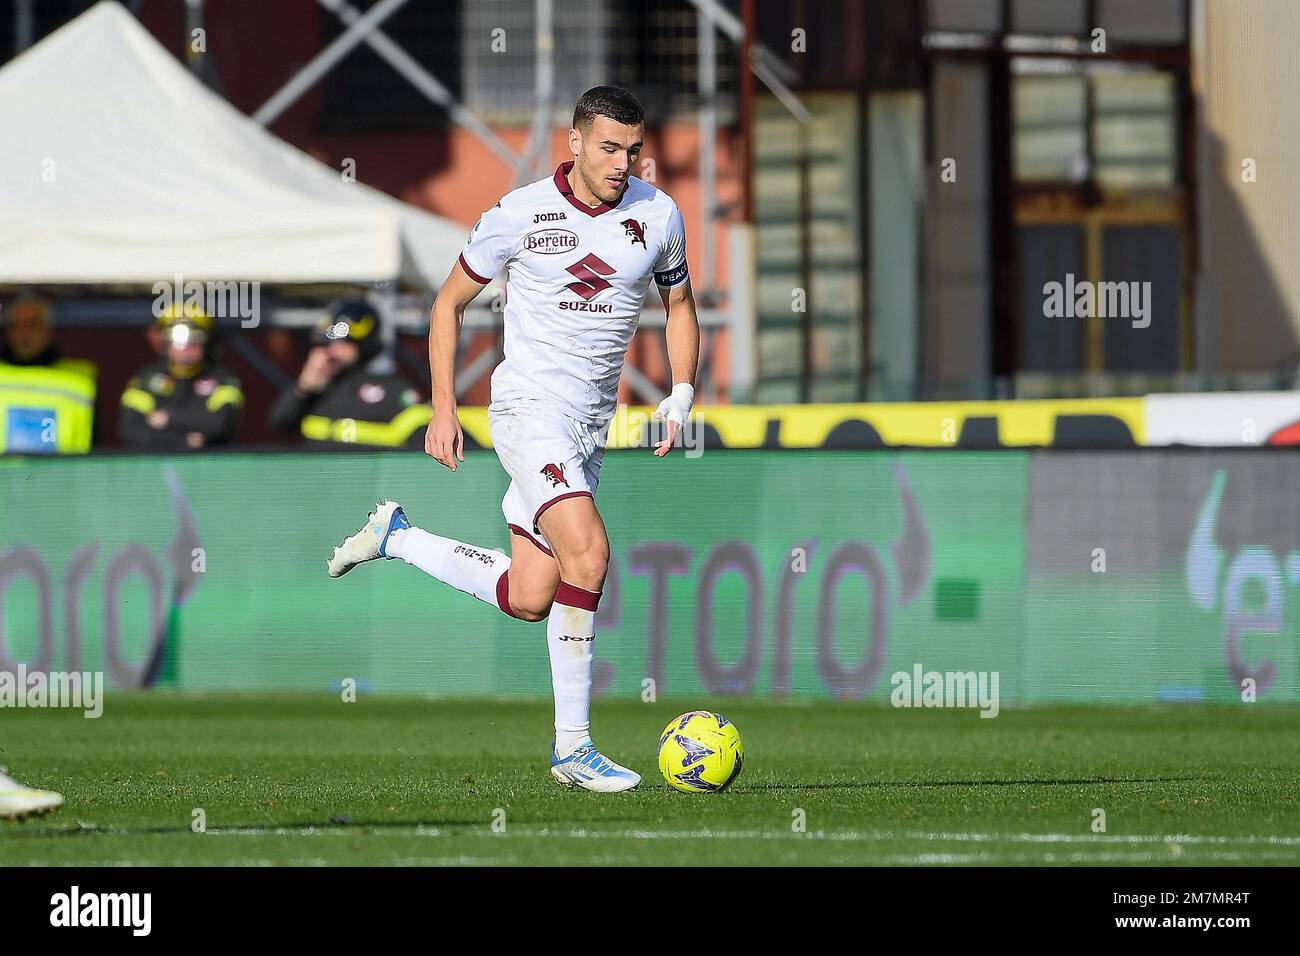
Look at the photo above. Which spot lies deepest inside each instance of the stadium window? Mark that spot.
(1154, 22)
(1054, 17)
(1098, 177)
(648, 47)
(499, 66)
(1116, 127)
(652, 50)
(1050, 137)
(1135, 129)
(364, 92)
(1132, 23)
(966, 16)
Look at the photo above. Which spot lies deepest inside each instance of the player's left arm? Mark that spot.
(682, 334)
(673, 279)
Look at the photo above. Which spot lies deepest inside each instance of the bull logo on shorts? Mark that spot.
(555, 475)
(635, 231)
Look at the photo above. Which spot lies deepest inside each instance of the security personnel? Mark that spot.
(47, 401)
(184, 399)
(336, 403)
(29, 340)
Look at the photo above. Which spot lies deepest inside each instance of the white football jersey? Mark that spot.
(578, 277)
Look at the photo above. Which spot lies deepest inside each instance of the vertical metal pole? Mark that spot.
(745, 136)
(1199, 355)
(546, 80)
(1004, 316)
(24, 25)
(749, 17)
(384, 297)
(806, 260)
(193, 21)
(538, 152)
(708, 131)
(741, 307)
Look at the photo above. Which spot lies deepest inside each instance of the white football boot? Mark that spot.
(368, 543)
(18, 802)
(589, 769)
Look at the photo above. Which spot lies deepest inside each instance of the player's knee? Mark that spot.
(531, 611)
(532, 601)
(586, 565)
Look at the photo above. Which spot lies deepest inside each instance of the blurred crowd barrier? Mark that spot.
(49, 411)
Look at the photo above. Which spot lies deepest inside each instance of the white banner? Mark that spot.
(1224, 420)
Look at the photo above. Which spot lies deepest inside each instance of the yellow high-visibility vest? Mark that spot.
(45, 410)
(81, 366)
(392, 434)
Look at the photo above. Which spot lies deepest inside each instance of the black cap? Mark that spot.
(354, 320)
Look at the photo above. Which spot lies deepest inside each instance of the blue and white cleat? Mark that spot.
(368, 543)
(589, 769)
(18, 802)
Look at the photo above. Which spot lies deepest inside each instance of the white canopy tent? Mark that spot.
(120, 167)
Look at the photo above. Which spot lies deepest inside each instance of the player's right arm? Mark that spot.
(490, 245)
(444, 440)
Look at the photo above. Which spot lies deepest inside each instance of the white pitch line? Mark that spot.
(483, 830)
(886, 836)
(1179, 838)
(843, 836)
(138, 863)
(920, 859)
(928, 859)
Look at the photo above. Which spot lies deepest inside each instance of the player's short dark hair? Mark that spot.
(612, 101)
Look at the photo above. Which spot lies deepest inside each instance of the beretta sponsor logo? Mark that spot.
(550, 242)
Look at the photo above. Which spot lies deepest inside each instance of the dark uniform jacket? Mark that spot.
(356, 408)
(207, 403)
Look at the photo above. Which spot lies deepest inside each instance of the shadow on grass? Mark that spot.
(47, 829)
(874, 784)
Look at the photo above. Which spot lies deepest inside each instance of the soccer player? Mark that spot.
(581, 247)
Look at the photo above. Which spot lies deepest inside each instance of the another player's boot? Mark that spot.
(18, 802)
(589, 769)
(368, 543)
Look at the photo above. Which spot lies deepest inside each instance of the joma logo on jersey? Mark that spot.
(550, 242)
(548, 217)
(634, 231)
(555, 475)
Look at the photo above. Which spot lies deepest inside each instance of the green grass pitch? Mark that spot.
(298, 779)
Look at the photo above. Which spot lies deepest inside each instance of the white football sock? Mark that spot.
(571, 640)
(476, 571)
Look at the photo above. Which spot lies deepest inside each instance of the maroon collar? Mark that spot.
(562, 184)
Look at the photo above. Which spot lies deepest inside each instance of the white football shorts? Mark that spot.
(549, 457)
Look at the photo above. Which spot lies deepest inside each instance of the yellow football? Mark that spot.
(700, 752)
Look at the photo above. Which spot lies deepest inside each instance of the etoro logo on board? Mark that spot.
(1215, 582)
(92, 567)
